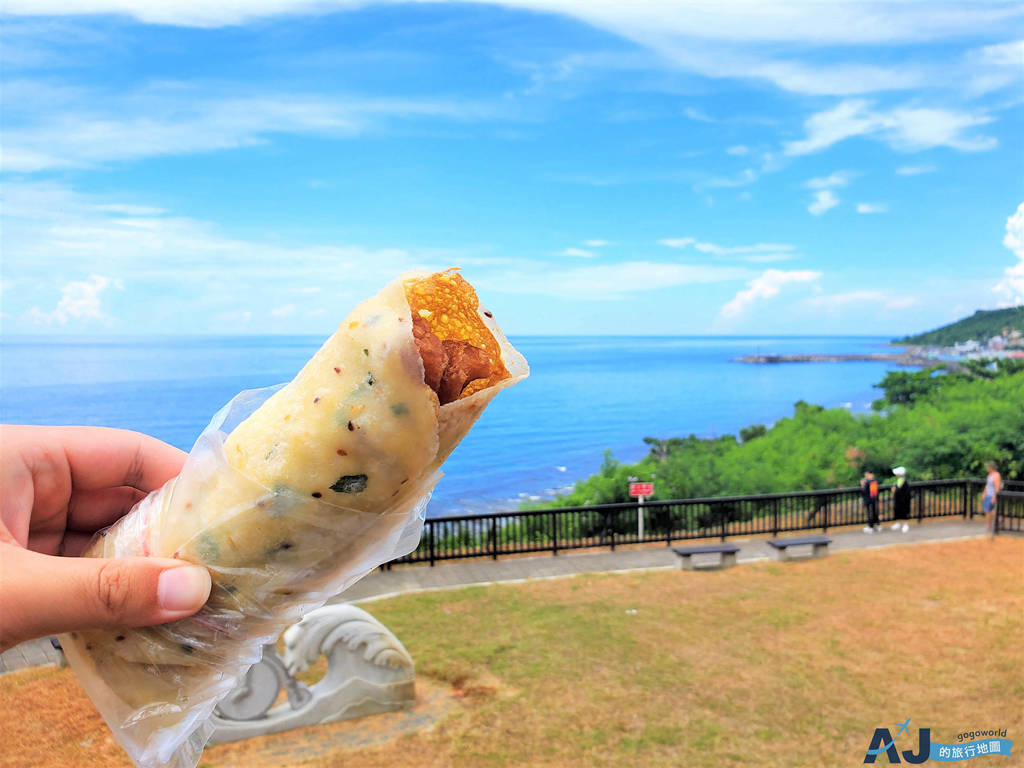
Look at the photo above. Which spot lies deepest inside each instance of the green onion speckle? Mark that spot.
(350, 484)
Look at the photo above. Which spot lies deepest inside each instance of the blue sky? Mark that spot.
(658, 167)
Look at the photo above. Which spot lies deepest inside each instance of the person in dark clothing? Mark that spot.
(869, 491)
(901, 500)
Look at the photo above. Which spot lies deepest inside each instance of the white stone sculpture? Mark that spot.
(368, 671)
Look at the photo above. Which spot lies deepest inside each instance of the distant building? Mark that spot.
(963, 347)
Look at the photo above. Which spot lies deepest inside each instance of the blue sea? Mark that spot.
(584, 395)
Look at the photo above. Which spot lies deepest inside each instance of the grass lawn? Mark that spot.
(771, 664)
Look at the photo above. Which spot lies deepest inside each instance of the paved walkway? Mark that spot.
(405, 579)
(419, 578)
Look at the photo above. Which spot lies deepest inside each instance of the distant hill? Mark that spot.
(982, 325)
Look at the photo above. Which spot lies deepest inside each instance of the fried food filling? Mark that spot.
(460, 355)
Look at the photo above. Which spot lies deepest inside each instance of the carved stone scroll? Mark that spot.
(368, 671)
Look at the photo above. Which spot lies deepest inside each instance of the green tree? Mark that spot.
(937, 425)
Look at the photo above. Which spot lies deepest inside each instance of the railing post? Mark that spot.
(554, 534)
(967, 499)
(494, 538)
(723, 516)
(432, 528)
(610, 529)
(775, 517)
(825, 509)
(668, 528)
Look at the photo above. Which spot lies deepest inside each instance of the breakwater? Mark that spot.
(900, 358)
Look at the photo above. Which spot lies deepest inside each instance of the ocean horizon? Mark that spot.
(585, 395)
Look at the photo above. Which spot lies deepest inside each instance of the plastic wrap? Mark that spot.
(255, 504)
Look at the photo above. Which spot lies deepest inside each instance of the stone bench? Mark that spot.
(818, 545)
(727, 552)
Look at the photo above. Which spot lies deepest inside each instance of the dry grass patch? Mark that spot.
(767, 664)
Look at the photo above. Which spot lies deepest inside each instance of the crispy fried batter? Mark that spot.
(449, 307)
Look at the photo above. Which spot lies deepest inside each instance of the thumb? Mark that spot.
(42, 595)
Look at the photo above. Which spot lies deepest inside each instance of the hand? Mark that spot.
(58, 486)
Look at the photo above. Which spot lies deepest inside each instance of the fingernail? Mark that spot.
(183, 589)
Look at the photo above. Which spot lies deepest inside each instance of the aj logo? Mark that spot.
(883, 742)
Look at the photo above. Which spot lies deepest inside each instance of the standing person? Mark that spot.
(993, 483)
(869, 492)
(901, 500)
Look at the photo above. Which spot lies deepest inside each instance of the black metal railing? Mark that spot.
(1010, 510)
(611, 525)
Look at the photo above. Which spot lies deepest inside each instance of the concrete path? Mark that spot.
(405, 579)
(419, 578)
(34, 653)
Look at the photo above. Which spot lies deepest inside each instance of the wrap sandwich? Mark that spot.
(289, 497)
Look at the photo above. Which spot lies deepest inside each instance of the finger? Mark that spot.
(73, 544)
(45, 595)
(99, 457)
(91, 510)
(86, 513)
(18, 489)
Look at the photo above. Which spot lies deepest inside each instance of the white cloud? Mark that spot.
(740, 20)
(871, 208)
(1011, 287)
(80, 301)
(756, 252)
(767, 285)
(766, 258)
(847, 79)
(824, 129)
(130, 210)
(283, 311)
(579, 253)
(870, 298)
(824, 200)
(912, 129)
(728, 250)
(739, 149)
(167, 120)
(1014, 238)
(677, 242)
(902, 302)
(823, 300)
(183, 267)
(994, 66)
(915, 170)
(742, 179)
(186, 275)
(596, 243)
(599, 282)
(833, 180)
(235, 320)
(696, 114)
(712, 39)
(49, 225)
(906, 129)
